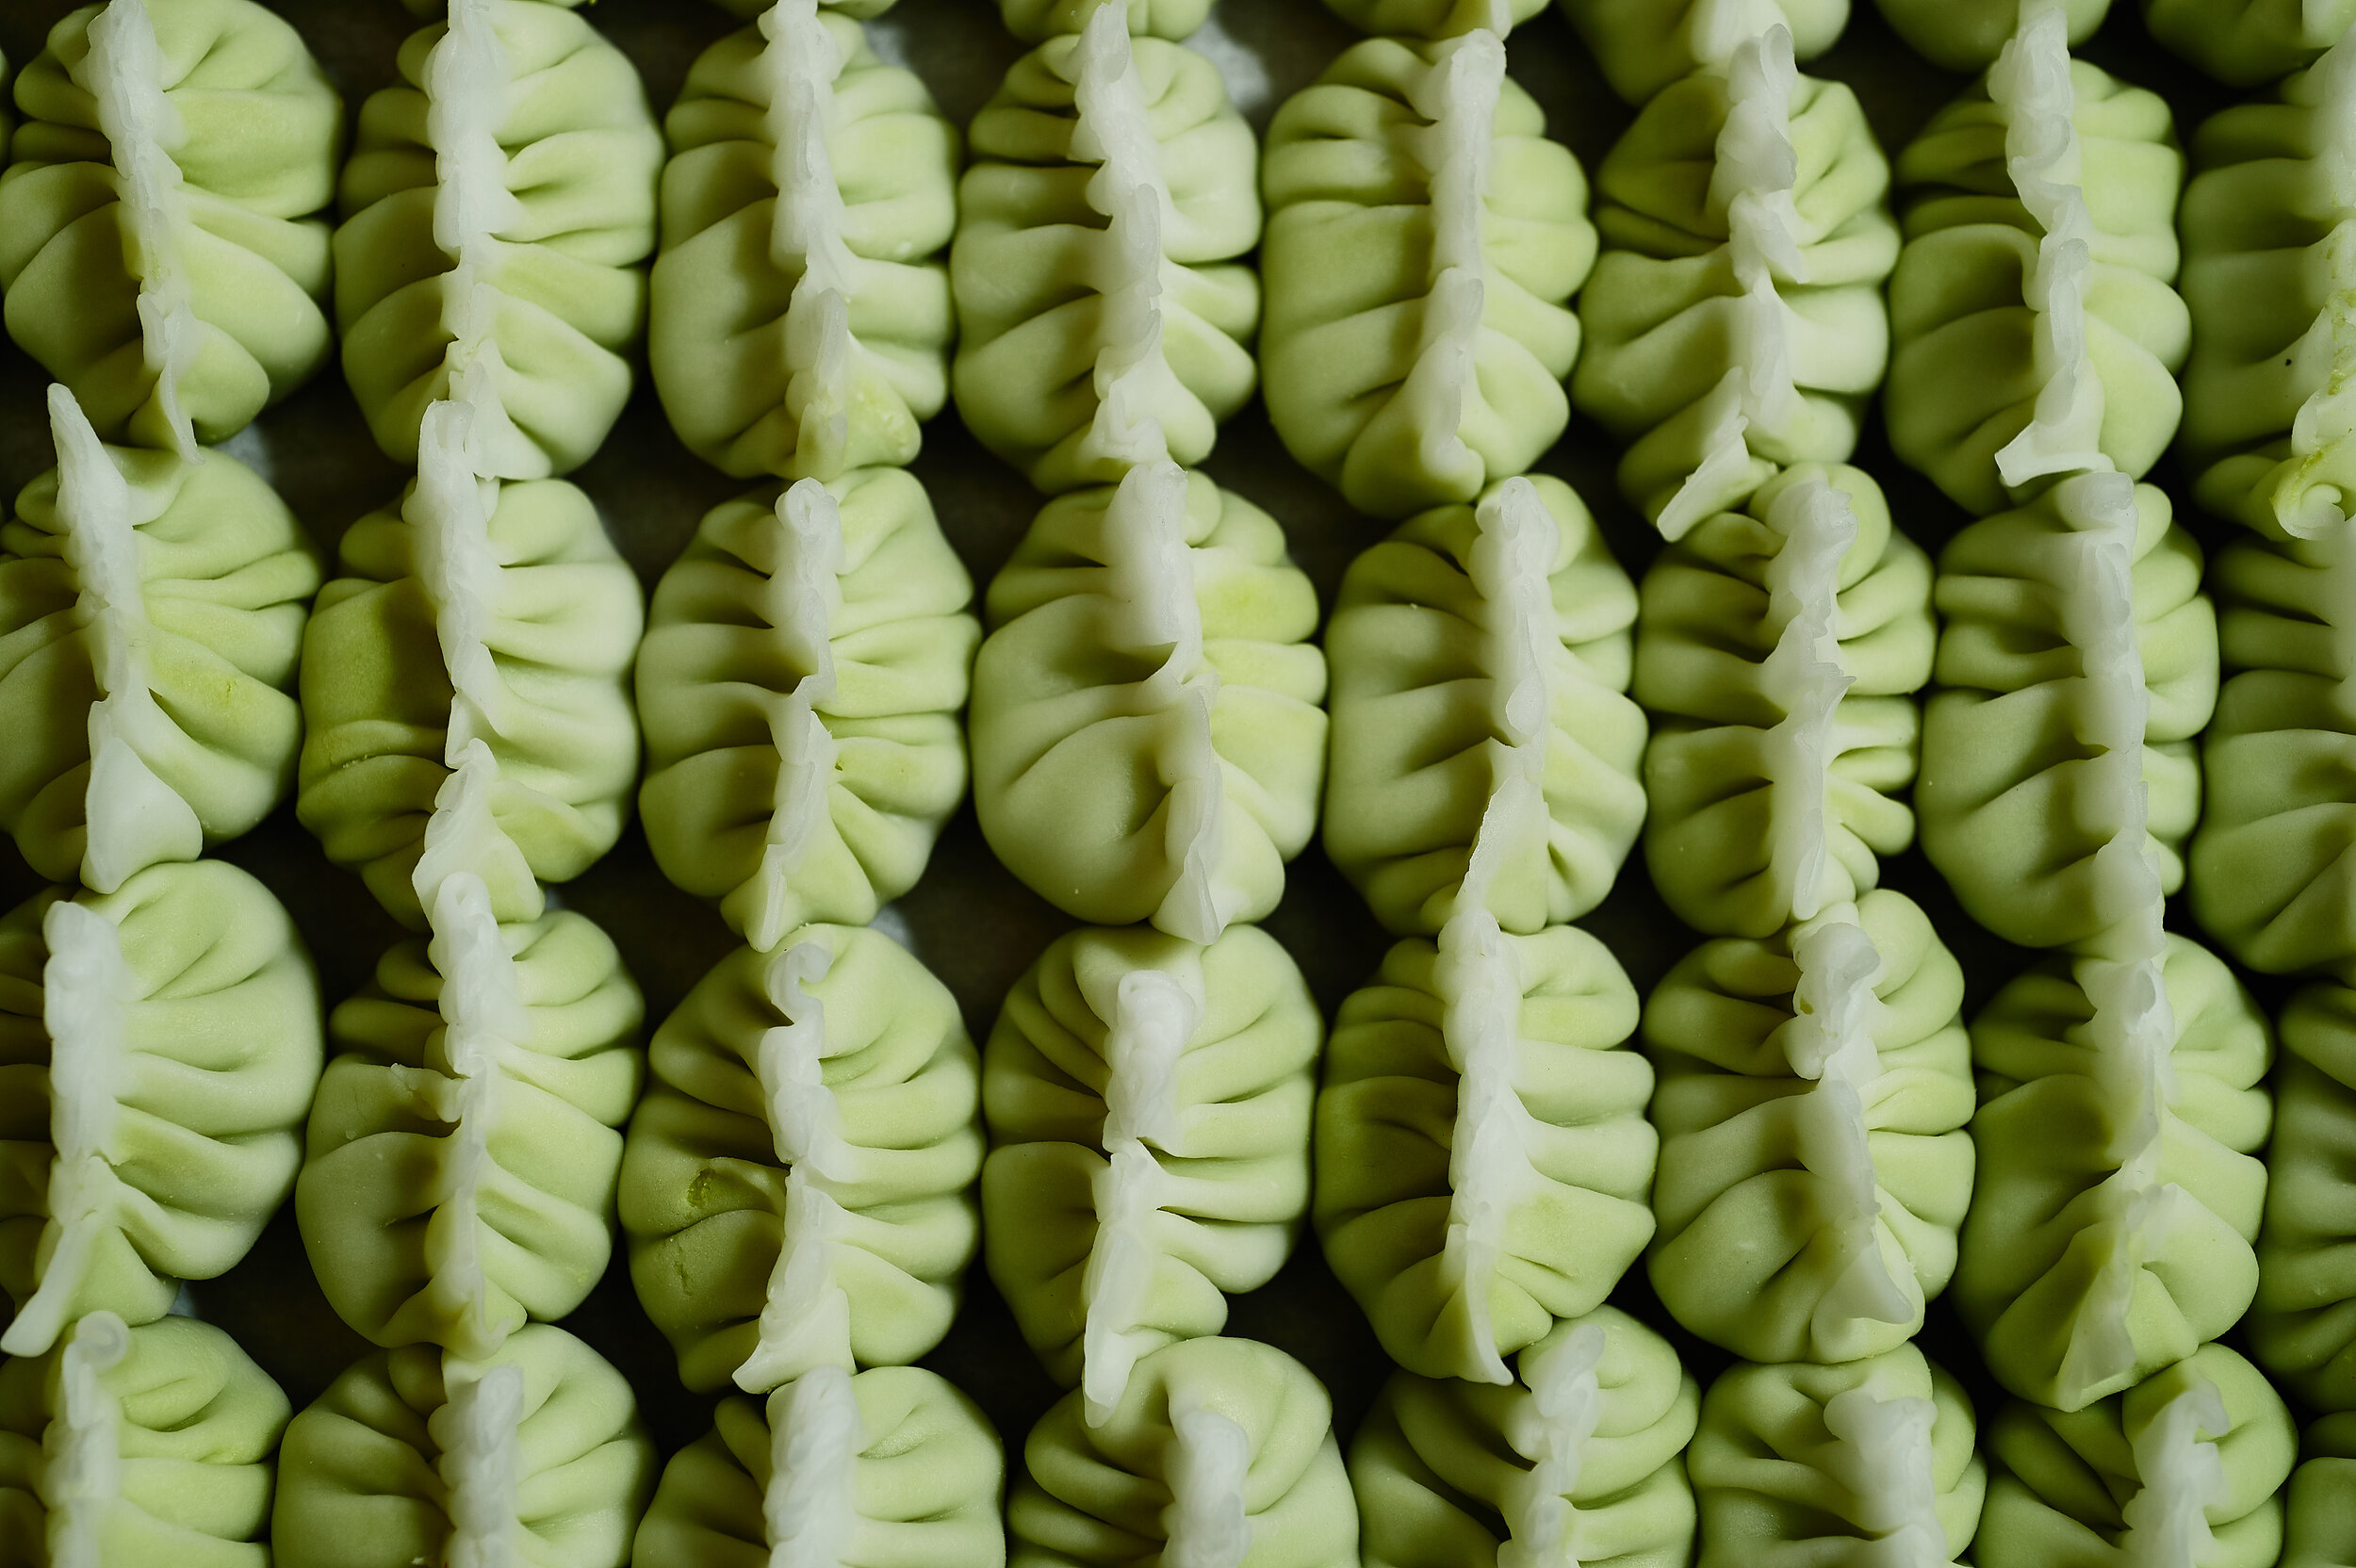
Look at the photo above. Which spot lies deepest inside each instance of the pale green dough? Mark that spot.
(1036, 21)
(1772, 1242)
(1051, 290)
(745, 379)
(1727, 660)
(2074, 1491)
(2016, 807)
(1428, 642)
(360, 1477)
(2246, 43)
(2319, 1524)
(1800, 1465)
(920, 1487)
(216, 1042)
(1113, 628)
(567, 215)
(1965, 35)
(1092, 1056)
(1569, 1221)
(259, 138)
(225, 578)
(1108, 1495)
(844, 633)
(561, 626)
(1439, 1466)
(750, 10)
(192, 1422)
(1433, 17)
(877, 1214)
(391, 1239)
(2111, 1224)
(1424, 239)
(2302, 1326)
(1713, 359)
(1966, 375)
(1643, 45)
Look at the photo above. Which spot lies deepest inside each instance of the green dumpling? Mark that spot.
(1869, 1461)
(2035, 329)
(1434, 18)
(147, 1446)
(496, 207)
(1580, 1460)
(893, 1466)
(532, 1457)
(1482, 1157)
(156, 237)
(2078, 659)
(1424, 239)
(2302, 1326)
(1735, 323)
(2319, 1524)
(1036, 21)
(2248, 42)
(158, 1047)
(2184, 1467)
(1104, 305)
(797, 1186)
(1778, 649)
(802, 682)
(1643, 45)
(1481, 665)
(2121, 1109)
(150, 615)
(1156, 634)
(1149, 1107)
(1814, 1165)
(799, 325)
(1966, 35)
(748, 10)
(1222, 1452)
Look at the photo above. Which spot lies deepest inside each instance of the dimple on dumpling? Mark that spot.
(1424, 239)
(1735, 322)
(158, 1047)
(1482, 1157)
(1966, 35)
(1102, 297)
(1156, 634)
(802, 684)
(1814, 1165)
(498, 202)
(1149, 1105)
(2302, 1326)
(156, 240)
(1581, 1457)
(2187, 1467)
(2319, 1513)
(1643, 45)
(2247, 43)
(798, 1184)
(1036, 21)
(799, 324)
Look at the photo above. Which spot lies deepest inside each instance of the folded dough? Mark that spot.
(1434, 18)
(2320, 1523)
(2246, 43)
(1643, 45)
(1966, 35)
(2302, 1326)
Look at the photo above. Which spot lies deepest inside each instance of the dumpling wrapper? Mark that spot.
(1643, 45)
(1036, 21)
(1966, 35)
(1433, 17)
(2302, 1326)
(2320, 1509)
(2246, 43)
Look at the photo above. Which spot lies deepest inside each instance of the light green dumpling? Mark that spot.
(1814, 1167)
(1735, 323)
(1643, 45)
(1481, 663)
(1158, 635)
(137, 1446)
(2035, 329)
(156, 240)
(1580, 1460)
(1866, 1463)
(1222, 1450)
(158, 1047)
(150, 615)
(2321, 1513)
(2186, 1467)
(797, 1186)
(1966, 35)
(802, 685)
(543, 616)
(892, 1467)
(1424, 240)
(2302, 1326)
(1434, 18)
(1036, 21)
(498, 201)
(461, 1159)
(1149, 1107)
(750, 10)
(2078, 659)
(2121, 1109)
(1482, 1157)
(2246, 43)
(1105, 308)
(800, 323)
(533, 1457)
(1778, 649)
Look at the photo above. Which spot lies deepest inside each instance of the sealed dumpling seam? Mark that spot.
(802, 62)
(809, 1509)
(477, 1431)
(81, 1475)
(2183, 1472)
(1208, 1523)
(1881, 1456)
(1803, 678)
(1566, 1398)
(809, 592)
